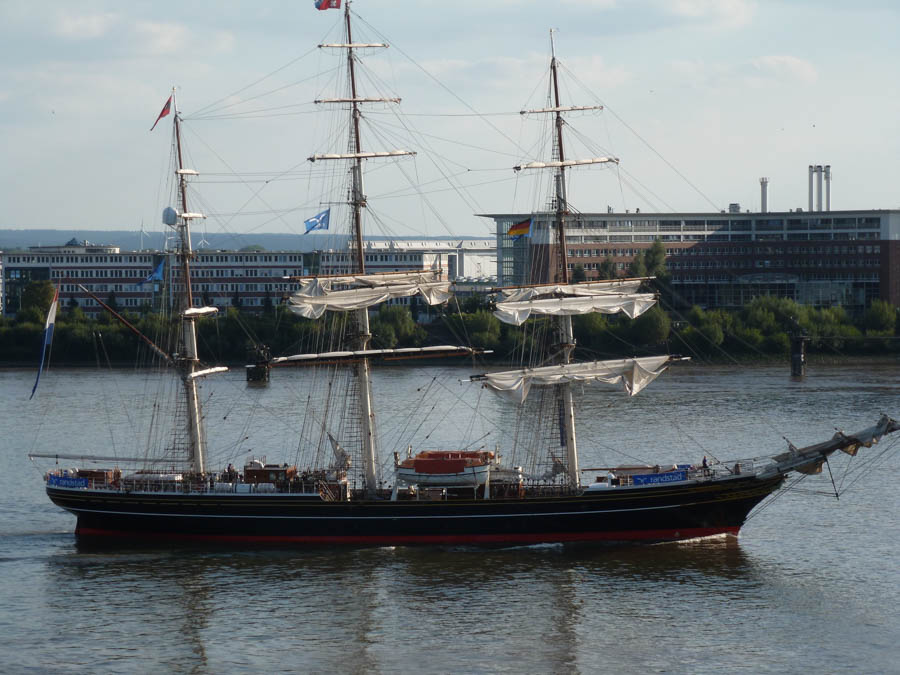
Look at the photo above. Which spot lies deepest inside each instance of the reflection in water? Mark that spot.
(546, 608)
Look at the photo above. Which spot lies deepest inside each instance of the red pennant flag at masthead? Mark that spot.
(328, 4)
(167, 108)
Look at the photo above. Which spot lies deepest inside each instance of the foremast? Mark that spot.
(186, 358)
(357, 203)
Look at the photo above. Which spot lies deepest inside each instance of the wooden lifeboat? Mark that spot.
(447, 468)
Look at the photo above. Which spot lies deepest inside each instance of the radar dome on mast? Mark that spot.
(169, 216)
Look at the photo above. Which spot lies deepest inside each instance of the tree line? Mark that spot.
(761, 329)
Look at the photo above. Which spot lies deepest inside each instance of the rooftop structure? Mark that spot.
(725, 259)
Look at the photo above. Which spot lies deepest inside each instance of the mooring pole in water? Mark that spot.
(258, 372)
(798, 353)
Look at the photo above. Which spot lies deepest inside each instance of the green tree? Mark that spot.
(607, 269)
(38, 294)
(655, 259)
(637, 268)
(651, 328)
(394, 324)
(578, 274)
(880, 317)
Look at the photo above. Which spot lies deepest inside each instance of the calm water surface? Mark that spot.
(811, 586)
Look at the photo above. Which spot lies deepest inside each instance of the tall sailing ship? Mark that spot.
(532, 491)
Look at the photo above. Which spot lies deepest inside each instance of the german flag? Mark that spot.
(520, 229)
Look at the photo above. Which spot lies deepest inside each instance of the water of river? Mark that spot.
(811, 586)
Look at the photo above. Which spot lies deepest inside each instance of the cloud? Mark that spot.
(517, 75)
(718, 13)
(786, 68)
(223, 41)
(156, 37)
(763, 71)
(84, 26)
(599, 4)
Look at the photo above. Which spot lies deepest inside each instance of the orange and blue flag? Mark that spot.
(522, 229)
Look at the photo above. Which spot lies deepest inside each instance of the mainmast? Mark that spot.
(357, 204)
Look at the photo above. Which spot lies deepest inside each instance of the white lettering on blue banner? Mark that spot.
(655, 478)
(59, 481)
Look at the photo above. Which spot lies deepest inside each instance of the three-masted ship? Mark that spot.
(448, 496)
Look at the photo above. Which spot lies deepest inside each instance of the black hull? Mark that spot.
(658, 513)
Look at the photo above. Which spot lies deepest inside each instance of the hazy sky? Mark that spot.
(703, 97)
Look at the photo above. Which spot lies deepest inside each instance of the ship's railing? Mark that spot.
(329, 492)
(156, 484)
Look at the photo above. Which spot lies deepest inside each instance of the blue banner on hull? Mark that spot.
(653, 478)
(59, 481)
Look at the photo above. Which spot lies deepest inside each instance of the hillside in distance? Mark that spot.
(131, 240)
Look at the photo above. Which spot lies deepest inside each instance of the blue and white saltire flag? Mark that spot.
(156, 275)
(48, 338)
(318, 221)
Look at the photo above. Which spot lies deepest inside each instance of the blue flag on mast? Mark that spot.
(318, 221)
(48, 339)
(156, 275)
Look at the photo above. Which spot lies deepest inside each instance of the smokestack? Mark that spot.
(763, 195)
(810, 186)
(818, 187)
(828, 187)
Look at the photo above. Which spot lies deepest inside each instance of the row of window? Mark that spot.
(373, 257)
(726, 250)
(78, 259)
(822, 276)
(648, 225)
(777, 262)
(249, 258)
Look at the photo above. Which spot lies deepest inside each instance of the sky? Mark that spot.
(701, 98)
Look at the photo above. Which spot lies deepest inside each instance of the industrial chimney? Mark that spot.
(818, 187)
(828, 187)
(810, 187)
(763, 195)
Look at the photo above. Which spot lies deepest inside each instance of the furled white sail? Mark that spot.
(362, 155)
(566, 163)
(631, 304)
(201, 311)
(590, 288)
(322, 285)
(632, 374)
(402, 352)
(319, 299)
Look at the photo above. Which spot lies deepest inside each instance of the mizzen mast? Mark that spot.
(561, 274)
